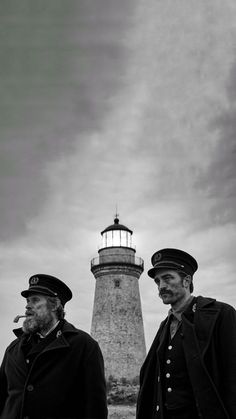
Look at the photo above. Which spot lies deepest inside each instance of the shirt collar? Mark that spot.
(178, 313)
(49, 331)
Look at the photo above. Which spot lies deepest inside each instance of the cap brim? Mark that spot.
(165, 265)
(151, 272)
(38, 290)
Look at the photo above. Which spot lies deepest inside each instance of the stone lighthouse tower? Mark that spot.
(117, 322)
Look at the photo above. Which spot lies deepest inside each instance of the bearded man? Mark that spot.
(190, 370)
(52, 370)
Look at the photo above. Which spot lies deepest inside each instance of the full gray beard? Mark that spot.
(36, 323)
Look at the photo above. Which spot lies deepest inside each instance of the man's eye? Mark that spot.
(35, 300)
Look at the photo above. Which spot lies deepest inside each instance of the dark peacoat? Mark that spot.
(209, 342)
(65, 381)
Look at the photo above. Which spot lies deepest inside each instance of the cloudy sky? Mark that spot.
(103, 103)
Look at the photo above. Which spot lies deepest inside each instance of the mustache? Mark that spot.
(29, 313)
(164, 291)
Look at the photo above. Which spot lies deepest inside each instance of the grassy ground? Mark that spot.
(121, 412)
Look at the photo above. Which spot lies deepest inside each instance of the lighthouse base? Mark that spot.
(121, 412)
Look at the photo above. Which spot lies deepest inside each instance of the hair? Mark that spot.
(55, 302)
(183, 275)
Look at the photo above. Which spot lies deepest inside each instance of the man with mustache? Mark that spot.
(52, 370)
(190, 370)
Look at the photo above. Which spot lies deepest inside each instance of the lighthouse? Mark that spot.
(117, 322)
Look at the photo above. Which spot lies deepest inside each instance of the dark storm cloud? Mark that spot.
(61, 62)
(218, 182)
(109, 102)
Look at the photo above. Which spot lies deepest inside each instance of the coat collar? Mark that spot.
(60, 340)
(201, 320)
(203, 302)
(66, 328)
(200, 315)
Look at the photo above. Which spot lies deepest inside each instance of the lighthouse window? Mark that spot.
(116, 237)
(108, 239)
(124, 238)
(117, 283)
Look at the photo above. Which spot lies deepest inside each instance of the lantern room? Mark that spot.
(116, 235)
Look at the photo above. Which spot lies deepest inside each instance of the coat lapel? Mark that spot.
(163, 336)
(205, 320)
(60, 341)
(194, 350)
(202, 318)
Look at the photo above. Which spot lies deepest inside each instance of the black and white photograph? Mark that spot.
(117, 209)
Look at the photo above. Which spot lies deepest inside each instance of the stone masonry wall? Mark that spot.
(117, 322)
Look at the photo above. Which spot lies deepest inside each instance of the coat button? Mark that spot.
(27, 361)
(167, 375)
(170, 347)
(158, 378)
(168, 361)
(169, 389)
(157, 408)
(30, 387)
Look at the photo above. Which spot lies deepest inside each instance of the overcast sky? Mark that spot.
(103, 103)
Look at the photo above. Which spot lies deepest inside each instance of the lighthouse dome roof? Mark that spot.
(117, 226)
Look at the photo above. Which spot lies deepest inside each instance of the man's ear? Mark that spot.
(187, 281)
(57, 304)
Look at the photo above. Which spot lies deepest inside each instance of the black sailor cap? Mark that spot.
(48, 285)
(175, 259)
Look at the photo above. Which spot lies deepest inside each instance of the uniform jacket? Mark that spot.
(65, 381)
(209, 343)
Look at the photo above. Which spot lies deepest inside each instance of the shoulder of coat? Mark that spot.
(204, 302)
(70, 329)
(13, 344)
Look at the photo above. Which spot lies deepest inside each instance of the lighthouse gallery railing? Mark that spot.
(117, 258)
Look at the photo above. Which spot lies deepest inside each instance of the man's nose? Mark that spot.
(162, 284)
